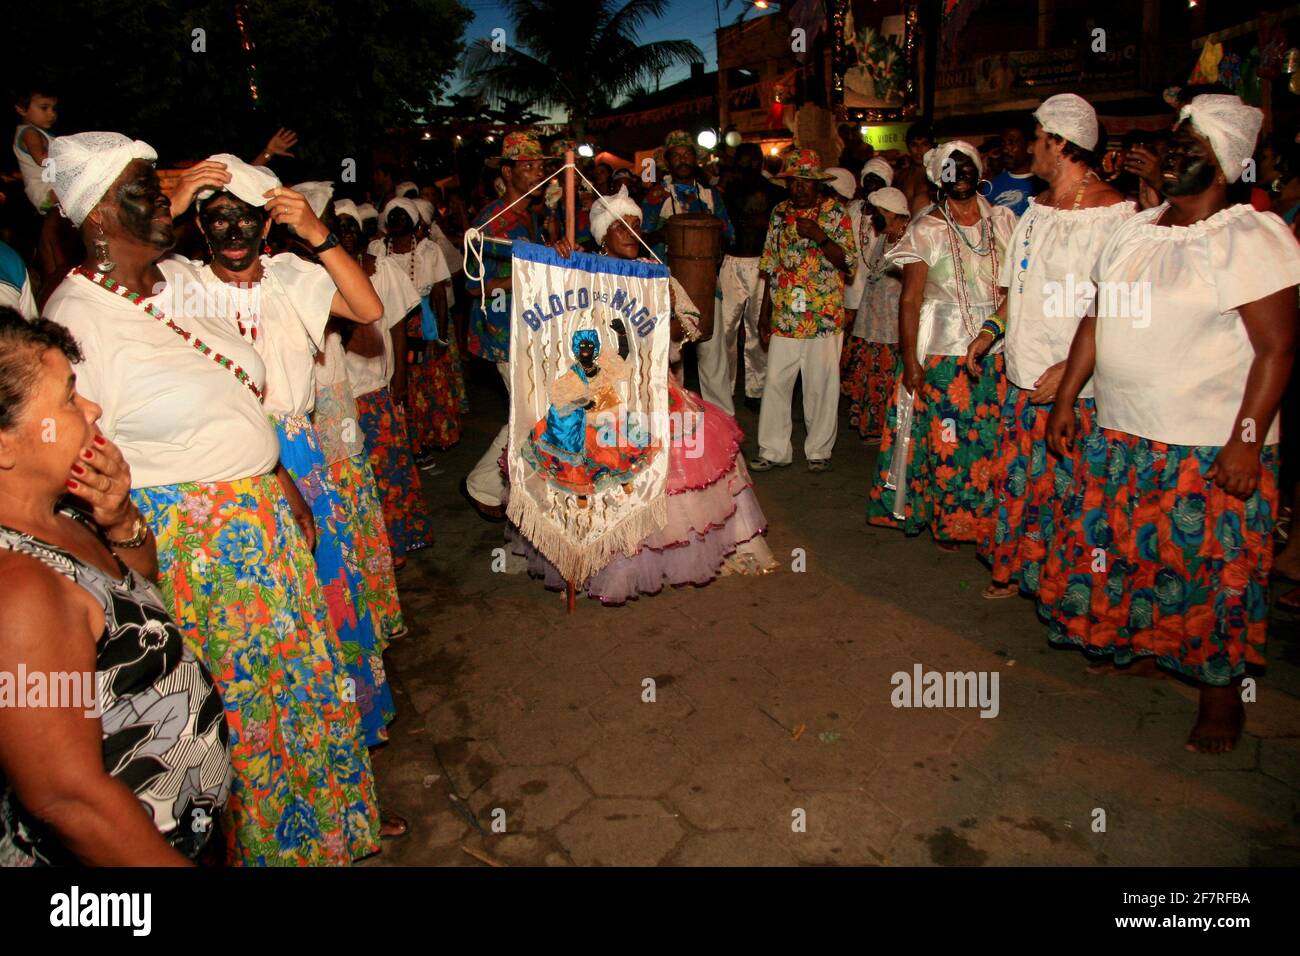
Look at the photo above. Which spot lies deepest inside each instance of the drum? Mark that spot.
(694, 256)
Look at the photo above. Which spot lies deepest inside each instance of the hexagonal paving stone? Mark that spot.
(730, 796)
(908, 730)
(546, 735)
(733, 848)
(626, 708)
(726, 683)
(534, 798)
(842, 828)
(632, 764)
(722, 735)
(620, 832)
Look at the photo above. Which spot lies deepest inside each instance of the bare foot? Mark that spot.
(391, 826)
(1218, 720)
(996, 592)
(948, 547)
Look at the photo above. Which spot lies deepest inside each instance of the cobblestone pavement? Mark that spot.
(523, 736)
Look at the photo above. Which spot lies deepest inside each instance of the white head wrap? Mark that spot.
(247, 182)
(317, 194)
(1070, 117)
(881, 168)
(87, 164)
(407, 189)
(889, 198)
(367, 211)
(841, 181)
(1229, 124)
(346, 207)
(934, 159)
(608, 208)
(425, 209)
(406, 205)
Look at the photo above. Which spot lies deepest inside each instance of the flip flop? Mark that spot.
(398, 825)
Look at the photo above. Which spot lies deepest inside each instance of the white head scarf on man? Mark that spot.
(87, 164)
(881, 168)
(1071, 117)
(889, 198)
(1229, 124)
(318, 195)
(608, 208)
(346, 207)
(247, 182)
(841, 181)
(935, 159)
(406, 205)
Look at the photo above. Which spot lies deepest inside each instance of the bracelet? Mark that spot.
(139, 534)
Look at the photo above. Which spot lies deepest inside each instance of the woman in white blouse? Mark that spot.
(1167, 546)
(182, 396)
(1047, 275)
(934, 464)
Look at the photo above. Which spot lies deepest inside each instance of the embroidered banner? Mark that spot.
(589, 340)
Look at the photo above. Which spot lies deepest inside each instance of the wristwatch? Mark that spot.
(139, 534)
(330, 242)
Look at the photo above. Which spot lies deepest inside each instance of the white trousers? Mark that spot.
(818, 361)
(485, 483)
(741, 285)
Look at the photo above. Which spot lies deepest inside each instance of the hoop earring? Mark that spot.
(985, 182)
(103, 263)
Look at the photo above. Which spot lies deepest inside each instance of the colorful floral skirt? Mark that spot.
(369, 536)
(1029, 485)
(1154, 560)
(955, 424)
(338, 568)
(242, 587)
(435, 390)
(389, 450)
(868, 373)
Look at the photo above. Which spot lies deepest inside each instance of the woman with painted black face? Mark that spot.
(282, 305)
(182, 396)
(1166, 556)
(933, 469)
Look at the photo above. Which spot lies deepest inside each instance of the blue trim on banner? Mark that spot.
(608, 265)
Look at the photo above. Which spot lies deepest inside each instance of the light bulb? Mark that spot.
(707, 138)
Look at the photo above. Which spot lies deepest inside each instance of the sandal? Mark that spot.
(948, 547)
(819, 464)
(391, 826)
(1290, 601)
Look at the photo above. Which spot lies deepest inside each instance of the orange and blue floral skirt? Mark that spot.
(1155, 560)
(367, 549)
(954, 436)
(435, 388)
(867, 379)
(242, 587)
(389, 451)
(1028, 486)
(339, 546)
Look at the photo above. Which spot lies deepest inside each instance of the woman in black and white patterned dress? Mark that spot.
(103, 710)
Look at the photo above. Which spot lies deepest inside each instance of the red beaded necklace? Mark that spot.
(112, 285)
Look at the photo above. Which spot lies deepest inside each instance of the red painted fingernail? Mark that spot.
(87, 454)
(101, 440)
(77, 469)
(72, 485)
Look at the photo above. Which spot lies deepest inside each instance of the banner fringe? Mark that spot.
(578, 562)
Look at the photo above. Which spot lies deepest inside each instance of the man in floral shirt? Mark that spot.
(808, 257)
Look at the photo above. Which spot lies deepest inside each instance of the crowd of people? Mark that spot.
(219, 402)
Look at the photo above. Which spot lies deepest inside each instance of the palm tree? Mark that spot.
(576, 56)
